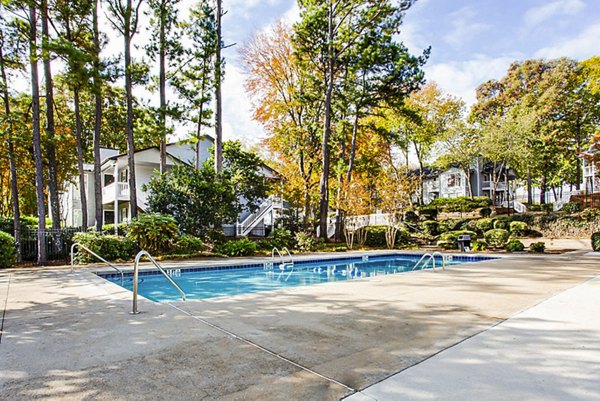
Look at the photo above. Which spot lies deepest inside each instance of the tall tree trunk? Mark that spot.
(50, 126)
(543, 189)
(218, 101)
(129, 123)
(99, 213)
(162, 88)
(352, 147)
(324, 182)
(529, 188)
(37, 141)
(200, 112)
(79, 146)
(11, 158)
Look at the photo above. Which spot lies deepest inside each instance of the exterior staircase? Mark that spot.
(245, 227)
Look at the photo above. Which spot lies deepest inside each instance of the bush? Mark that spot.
(518, 228)
(110, 247)
(571, 207)
(8, 252)
(308, 242)
(123, 228)
(536, 207)
(496, 237)
(430, 227)
(537, 247)
(428, 212)
(514, 245)
(449, 240)
(153, 232)
(241, 247)
(485, 212)
(484, 225)
(501, 224)
(188, 245)
(452, 225)
(460, 204)
(7, 223)
(478, 246)
(376, 237)
(596, 241)
(278, 238)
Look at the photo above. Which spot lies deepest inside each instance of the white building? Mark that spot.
(115, 188)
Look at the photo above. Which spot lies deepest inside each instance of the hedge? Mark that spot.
(449, 240)
(518, 228)
(537, 247)
(242, 247)
(153, 232)
(514, 245)
(110, 247)
(8, 252)
(460, 204)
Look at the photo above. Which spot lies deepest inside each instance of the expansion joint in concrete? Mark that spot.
(260, 347)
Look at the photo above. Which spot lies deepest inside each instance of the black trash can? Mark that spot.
(464, 243)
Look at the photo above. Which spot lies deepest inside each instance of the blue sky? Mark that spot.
(472, 41)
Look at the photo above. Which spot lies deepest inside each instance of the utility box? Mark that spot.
(464, 243)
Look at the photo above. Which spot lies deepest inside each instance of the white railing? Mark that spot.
(516, 206)
(245, 227)
(108, 192)
(490, 185)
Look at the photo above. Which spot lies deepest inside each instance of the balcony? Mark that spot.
(489, 185)
(122, 192)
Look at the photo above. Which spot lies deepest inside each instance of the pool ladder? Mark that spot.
(284, 263)
(136, 268)
(430, 257)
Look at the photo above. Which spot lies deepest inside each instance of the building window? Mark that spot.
(108, 179)
(454, 180)
(124, 176)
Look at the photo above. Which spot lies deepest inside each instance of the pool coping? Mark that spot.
(267, 262)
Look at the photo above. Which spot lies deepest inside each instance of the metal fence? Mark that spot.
(55, 249)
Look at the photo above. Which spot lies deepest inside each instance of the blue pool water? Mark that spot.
(218, 281)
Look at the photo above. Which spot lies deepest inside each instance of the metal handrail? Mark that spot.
(136, 268)
(77, 244)
(431, 257)
(443, 259)
(281, 258)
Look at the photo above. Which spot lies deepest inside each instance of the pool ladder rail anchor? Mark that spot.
(136, 268)
(430, 257)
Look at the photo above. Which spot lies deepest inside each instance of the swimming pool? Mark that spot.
(218, 281)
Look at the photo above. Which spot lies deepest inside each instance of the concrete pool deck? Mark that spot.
(70, 336)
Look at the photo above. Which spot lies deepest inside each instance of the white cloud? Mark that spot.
(461, 78)
(579, 47)
(537, 15)
(464, 27)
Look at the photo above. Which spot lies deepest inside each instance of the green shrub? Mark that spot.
(452, 225)
(535, 207)
(449, 239)
(497, 237)
(122, 228)
(514, 245)
(153, 232)
(478, 246)
(571, 207)
(428, 212)
(596, 241)
(518, 228)
(188, 245)
(376, 237)
(484, 225)
(460, 204)
(214, 237)
(8, 252)
(308, 242)
(485, 212)
(537, 247)
(430, 227)
(110, 247)
(241, 247)
(7, 223)
(278, 238)
(501, 224)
